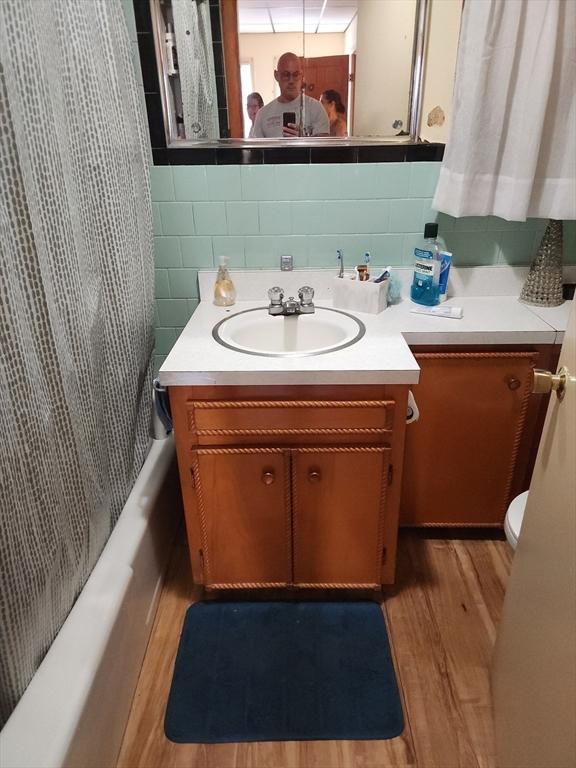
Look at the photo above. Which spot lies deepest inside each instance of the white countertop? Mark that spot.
(382, 356)
(557, 317)
(379, 357)
(486, 320)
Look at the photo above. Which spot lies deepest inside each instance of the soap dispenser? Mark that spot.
(224, 290)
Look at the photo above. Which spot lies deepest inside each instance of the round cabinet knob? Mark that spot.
(314, 476)
(513, 382)
(546, 381)
(268, 477)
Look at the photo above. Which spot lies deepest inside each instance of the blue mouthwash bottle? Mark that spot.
(425, 285)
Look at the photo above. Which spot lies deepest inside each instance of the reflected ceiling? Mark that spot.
(275, 16)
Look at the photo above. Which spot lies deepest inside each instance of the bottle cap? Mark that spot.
(430, 229)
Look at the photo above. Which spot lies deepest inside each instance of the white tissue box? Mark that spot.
(360, 296)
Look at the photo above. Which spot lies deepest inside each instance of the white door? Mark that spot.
(534, 669)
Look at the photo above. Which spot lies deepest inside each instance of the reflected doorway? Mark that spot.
(330, 73)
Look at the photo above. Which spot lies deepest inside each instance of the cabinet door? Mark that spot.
(243, 499)
(460, 456)
(338, 500)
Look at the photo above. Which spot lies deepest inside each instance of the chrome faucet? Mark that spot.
(304, 306)
(340, 257)
(290, 306)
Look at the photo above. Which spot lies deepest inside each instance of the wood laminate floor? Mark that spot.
(442, 616)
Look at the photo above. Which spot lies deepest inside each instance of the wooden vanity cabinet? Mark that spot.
(291, 487)
(473, 449)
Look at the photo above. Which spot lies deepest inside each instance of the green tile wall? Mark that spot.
(253, 214)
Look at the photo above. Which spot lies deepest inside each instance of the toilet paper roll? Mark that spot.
(413, 414)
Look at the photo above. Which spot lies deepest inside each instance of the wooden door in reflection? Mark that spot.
(324, 73)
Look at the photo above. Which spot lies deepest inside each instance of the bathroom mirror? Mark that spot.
(210, 55)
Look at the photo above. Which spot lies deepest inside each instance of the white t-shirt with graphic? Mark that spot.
(268, 123)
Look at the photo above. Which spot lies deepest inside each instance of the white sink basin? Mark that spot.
(255, 332)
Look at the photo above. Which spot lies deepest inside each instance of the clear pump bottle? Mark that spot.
(426, 283)
(224, 289)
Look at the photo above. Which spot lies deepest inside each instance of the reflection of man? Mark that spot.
(269, 121)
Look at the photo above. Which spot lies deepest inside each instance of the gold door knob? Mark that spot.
(545, 382)
(314, 476)
(268, 477)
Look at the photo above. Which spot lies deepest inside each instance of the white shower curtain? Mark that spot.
(76, 309)
(512, 146)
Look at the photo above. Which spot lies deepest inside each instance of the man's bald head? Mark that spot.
(288, 75)
(287, 58)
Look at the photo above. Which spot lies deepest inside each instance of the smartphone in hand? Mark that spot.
(288, 117)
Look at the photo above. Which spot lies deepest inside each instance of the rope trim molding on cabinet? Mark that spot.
(228, 451)
(304, 449)
(343, 449)
(294, 516)
(288, 513)
(276, 584)
(451, 525)
(201, 516)
(516, 445)
(477, 355)
(250, 585)
(191, 420)
(337, 585)
(207, 404)
(302, 431)
(381, 509)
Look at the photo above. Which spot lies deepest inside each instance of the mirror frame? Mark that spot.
(223, 16)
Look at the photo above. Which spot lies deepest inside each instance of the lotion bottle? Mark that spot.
(224, 290)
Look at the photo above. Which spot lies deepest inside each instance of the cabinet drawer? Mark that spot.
(219, 422)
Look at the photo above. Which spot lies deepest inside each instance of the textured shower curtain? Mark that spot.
(512, 146)
(196, 64)
(76, 309)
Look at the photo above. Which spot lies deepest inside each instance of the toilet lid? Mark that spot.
(515, 515)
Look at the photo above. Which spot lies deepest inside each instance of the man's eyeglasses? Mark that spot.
(290, 75)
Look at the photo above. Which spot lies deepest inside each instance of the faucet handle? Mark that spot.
(306, 294)
(276, 295)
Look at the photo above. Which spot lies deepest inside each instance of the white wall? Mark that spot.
(385, 34)
(264, 50)
(441, 51)
(350, 37)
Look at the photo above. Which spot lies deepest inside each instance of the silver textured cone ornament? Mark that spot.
(543, 286)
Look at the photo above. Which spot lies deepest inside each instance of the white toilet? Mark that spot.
(514, 517)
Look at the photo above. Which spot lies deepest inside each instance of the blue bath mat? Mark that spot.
(282, 672)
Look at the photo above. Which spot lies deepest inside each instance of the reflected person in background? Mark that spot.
(254, 102)
(336, 111)
(281, 117)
